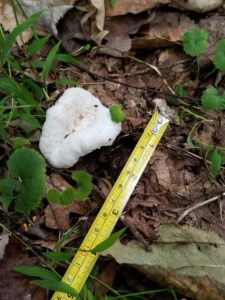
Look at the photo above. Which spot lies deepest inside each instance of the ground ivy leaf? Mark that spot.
(20, 142)
(195, 41)
(7, 186)
(54, 196)
(64, 198)
(219, 58)
(83, 179)
(117, 114)
(211, 100)
(28, 167)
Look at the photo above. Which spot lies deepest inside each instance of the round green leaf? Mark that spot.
(219, 58)
(84, 182)
(211, 100)
(195, 41)
(117, 114)
(28, 167)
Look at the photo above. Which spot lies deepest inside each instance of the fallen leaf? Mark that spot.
(4, 239)
(57, 216)
(100, 16)
(168, 112)
(119, 30)
(165, 29)
(132, 6)
(12, 284)
(180, 251)
(106, 276)
(8, 20)
(199, 5)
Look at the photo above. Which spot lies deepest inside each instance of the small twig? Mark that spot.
(186, 152)
(106, 78)
(189, 210)
(153, 68)
(28, 247)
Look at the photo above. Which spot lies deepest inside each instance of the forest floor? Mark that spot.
(176, 209)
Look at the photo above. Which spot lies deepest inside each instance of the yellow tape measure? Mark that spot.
(83, 262)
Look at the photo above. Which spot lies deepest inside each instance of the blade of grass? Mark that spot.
(49, 61)
(35, 271)
(16, 32)
(55, 285)
(67, 59)
(36, 45)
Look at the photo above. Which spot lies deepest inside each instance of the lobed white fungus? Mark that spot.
(76, 125)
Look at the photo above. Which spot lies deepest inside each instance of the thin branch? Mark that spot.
(198, 205)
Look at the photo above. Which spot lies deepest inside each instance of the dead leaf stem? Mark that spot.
(198, 205)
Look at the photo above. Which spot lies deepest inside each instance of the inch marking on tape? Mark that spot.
(84, 261)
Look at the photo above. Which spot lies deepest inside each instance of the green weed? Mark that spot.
(117, 114)
(84, 187)
(194, 44)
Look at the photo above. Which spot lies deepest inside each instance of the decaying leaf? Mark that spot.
(180, 252)
(53, 10)
(199, 5)
(120, 28)
(8, 20)
(4, 239)
(165, 29)
(132, 6)
(13, 285)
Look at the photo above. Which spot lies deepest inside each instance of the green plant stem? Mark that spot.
(16, 18)
(11, 113)
(108, 287)
(28, 247)
(198, 66)
(19, 106)
(193, 113)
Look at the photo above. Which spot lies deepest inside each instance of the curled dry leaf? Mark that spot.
(132, 6)
(199, 5)
(14, 285)
(8, 20)
(4, 239)
(165, 29)
(179, 253)
(119, 29)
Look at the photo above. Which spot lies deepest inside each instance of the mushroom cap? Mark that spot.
(76, 125)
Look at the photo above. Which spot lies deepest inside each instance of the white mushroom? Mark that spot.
(76, 125)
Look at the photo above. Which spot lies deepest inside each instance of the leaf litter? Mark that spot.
(189, 258)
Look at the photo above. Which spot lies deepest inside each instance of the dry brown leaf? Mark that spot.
(100, 16)
(4, 239)
(106, 276)
(175, 175)
(8, 20)
(57, 216)
(12, 284)
(165, 29)
(185, 258)
(132, 6)
(199, 5)
(120, 28)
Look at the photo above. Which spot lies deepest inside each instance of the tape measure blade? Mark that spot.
(83, 262)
